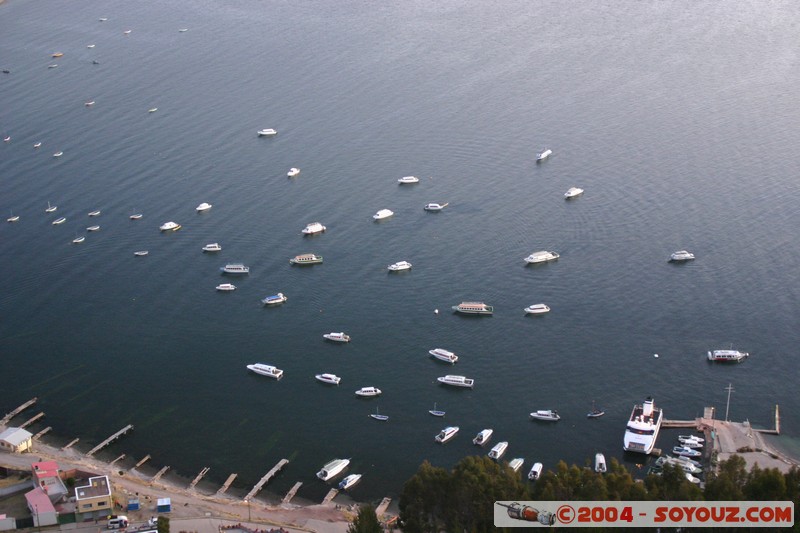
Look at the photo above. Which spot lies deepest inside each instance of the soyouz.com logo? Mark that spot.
(644, 514)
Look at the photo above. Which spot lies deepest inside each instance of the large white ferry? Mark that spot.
(643, 426)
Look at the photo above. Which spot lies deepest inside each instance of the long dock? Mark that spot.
(227, 484)
(17, 411)
(197, 479)
(160, 473)
(143, 461)
(292, 492)
(331, 495)
(266, 478)
(70, 444)
(120, 458)
(680, 423)
(381, 508)
(32, 420)
(109, 440)
(41, 433)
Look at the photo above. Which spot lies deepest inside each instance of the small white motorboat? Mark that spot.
(349, 481)
(400, 265)
(691, 443)
(267, 132)
(573, 192)
(366, 392)
(152, 110)
(536, 471)
(547, 415)
(691, 478)
(682, 438)
(444, 355)
(235, 268)
(456, 381)
(203, 207)
(136, 216)
(436, 412)
(446, 434)
(383, 213)
(544, 155)
(483, 437)
(78, 240)
(337, 337)
(169, 226)
(266, 370)
(212, 247)
(407, 180)
(685, 451)
(516, 463)
(306, 259)
(89, 104)
(58, 221)
(435, 207)
(183, 30)
(95, 213)
(293, 172)
(37, 144)
(542, 256)
(58, 154)
(727, 356)
(142, 253)
(332, 469)
(537, 309)
(498, 450)
(89, 46)
(7, 139)
(275, 299)
(126, 32)
(314, 227)
(378, 416)
(12, 218)
(50, 208)
(331, 379)
(226, 287)
(600, 463)
(93, 228)
(681, 255)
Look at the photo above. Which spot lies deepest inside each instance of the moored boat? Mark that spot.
(205, 206)
(141, 253)
(444, 355)
(682, 438)
(681, 255)
(378, 416)
(136, 216)
(349, 481)
(366, 392)
(50, 208)
(600, 463)
(537, 309)
(212, 247)
(332, 469)
(408, 179)
(547, 415)
(595, 412)
(399, 266)
(331, 379)
(293, 172)
(59, 220)
(275, 299)
(383, 213)
(436, 412)
(498, 450)
(78, 240)
(58, 154)
(433, 206)
(226, 287)
(337, 336)
(473, 308)
(235, 268)
(544, 155)
(93, 228)
(573, 192)
(643, 427)
(686, 451)
(483, 437)
(542, 256)
(536, 471)
(456, 381)
(12, 218)
(267, 132)
(314, 227)
(94, 213)
(691, 443)
(446, 434)
(306, 259)
(266, 370)
(516, 463)
(727, 356)
(169, 226)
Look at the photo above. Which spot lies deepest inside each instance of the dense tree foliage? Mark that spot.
(460, 500)
(366, 521)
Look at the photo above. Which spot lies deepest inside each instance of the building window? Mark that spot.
(86, 506)
(100, 504)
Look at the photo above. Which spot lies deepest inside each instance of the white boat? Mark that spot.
(136, 216)
(695, 438)
(727, 356)
(595, 412)
(275, 299)
(337, 336)
(681, 462)
(435, 207)
(203, 207)
(7, 139)
(93, 228)
(537, 309)
(600, 463)
(54, 65)
(483, 437)
(12, 218)
(314, 227)
(541, 257)
(378, 416)
(548, 415)
(332, 469)
(60, 220)
(78, 240)
(331, 379)
(212, 247)
(691, 478)
(226, 287)
(383, 213)
(691, 443)
(686, 451)
(94, 213)
(50, 208)
(544, 155)
(152, 110)
(516, 463)
(58, 154)
(473, 308)
(681, 255)
(349, 481)
(267, 132)
(183, 30)
(536, 471)
(436, 412)
(498, 450)
(266, 370)
(126, 32)
(142, 253)
(444, 355)
(446, 434)
(293, 172)
(102, 19)
(89, 46)
(169, 226)
(37, 144)
(235, 268)
(408, 179)
(400, 265)
(643, 427)
(366, 392)
(306, 259)
(456, 381)
(573, 192)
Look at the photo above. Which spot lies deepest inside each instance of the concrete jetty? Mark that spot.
(143, 461)
(160, 473)
(292, 492)
(197, 479)
(331, 495)
(109, 440)
(32, 420)
(381, 508)
(6, 419)
(41, 433)
(120, 458)
(70, 444)
(225, 486)
(266, 478)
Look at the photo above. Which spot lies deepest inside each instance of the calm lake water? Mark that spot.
(678, 119)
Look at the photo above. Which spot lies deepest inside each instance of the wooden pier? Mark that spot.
(266, 478)
(32, 420)
(196, 480)
(227, 484)
(120, 458)
(41, 433)
(381, 508)
(109, 440)
(292, 492)
(6, 419)
(680, 423)
(143, 461)
(70, 444)
(331, 495)
(160, 473)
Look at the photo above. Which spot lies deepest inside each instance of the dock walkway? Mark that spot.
(266, 478)
(6, 419)
(109, 440)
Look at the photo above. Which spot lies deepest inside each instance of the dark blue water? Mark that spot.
(679, 120)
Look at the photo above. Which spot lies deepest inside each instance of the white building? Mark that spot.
(16, 440)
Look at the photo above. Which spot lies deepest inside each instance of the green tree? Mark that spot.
(163, 524)
(765, 485)
(365, 522)
(729, 481)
